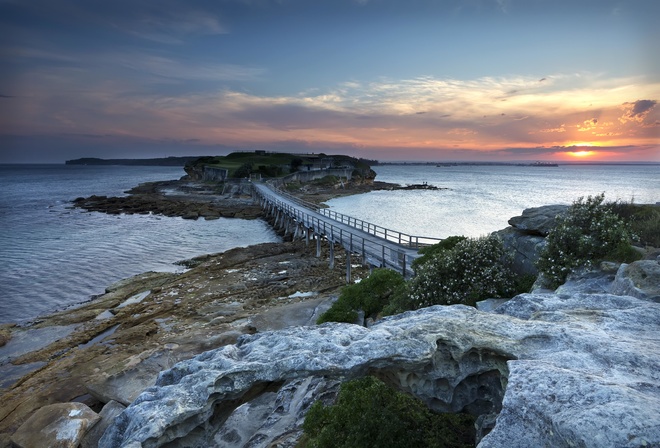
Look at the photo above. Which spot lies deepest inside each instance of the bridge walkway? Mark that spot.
(377, 246)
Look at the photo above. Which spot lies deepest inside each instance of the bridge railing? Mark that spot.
(403, 239)
(375, 252)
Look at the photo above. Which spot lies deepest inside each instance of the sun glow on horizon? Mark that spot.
(582, 153)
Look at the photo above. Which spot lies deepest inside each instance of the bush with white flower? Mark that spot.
(587, 233)
(474, 269)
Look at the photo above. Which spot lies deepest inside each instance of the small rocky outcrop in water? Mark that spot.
(188, 200)
(556, 370)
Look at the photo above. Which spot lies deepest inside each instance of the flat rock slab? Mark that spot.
(60, 425)
(289, 315)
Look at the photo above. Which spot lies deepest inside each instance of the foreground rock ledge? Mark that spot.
(571, 370)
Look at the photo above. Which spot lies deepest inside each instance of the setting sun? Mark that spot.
(582, 153)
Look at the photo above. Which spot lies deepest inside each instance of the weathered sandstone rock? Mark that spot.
(107, 415)
(579, 370)
(60, 425)
(526, 237)
(538, 220)
(524, 247)
(639, 279)
(588, 281)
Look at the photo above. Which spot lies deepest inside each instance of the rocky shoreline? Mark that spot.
(115, 345)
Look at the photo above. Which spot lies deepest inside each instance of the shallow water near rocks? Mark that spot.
(55, 256)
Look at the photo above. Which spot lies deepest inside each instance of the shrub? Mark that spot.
(370, 295)
(368, 413)
(428, 252)
(642, 219)
(474, 269)
(585, 234)
(326, 181)
(340, 311)
(243, 171)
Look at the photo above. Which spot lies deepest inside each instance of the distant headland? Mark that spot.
(162, 161)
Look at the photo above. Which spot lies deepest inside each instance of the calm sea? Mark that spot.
(54, 256)
(481, 199)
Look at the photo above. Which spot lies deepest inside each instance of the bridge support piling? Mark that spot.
(348, 266)
(332, 255)
(318, 245)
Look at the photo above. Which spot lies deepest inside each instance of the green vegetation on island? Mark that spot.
(277, 164)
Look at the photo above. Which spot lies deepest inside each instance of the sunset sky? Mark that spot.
(490, 80)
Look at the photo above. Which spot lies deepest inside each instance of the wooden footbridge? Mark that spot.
(375, 245)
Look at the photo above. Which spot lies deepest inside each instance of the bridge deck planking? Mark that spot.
(375, 250)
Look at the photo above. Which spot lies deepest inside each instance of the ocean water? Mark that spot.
(55, 256)
(480, 199)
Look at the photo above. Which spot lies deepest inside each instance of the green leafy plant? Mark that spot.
(587, 233)
(368, 413)
(474, 269)
(371, 295)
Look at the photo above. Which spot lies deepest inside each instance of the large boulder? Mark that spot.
(590, 280)
(107, 415)
(538, 220)
(525, 249)
(60, 425)
(526, 237)
(556, 370)
(639, 279)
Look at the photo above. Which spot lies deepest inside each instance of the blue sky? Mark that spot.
(391, 80)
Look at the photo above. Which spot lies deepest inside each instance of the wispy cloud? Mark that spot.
(188, 70)
(171, 27)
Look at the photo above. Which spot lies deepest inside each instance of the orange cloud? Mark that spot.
(587, 125)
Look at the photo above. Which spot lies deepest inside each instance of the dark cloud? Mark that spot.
(5, 96)
(637, 111)
(642, 106)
